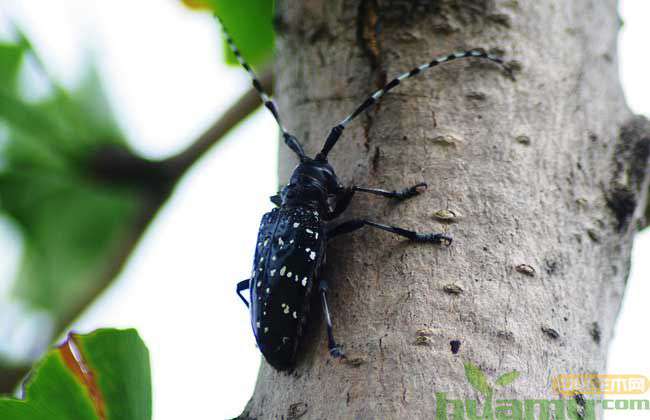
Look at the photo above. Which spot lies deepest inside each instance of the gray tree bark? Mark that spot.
(546, 179)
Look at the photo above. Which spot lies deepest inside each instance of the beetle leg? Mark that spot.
(241, 286)
(356, 224)
(275, 199)
(334, 349)
(343, 199)
(344, 196)
(399, 195)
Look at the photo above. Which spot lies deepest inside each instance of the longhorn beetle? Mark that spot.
(291, 242)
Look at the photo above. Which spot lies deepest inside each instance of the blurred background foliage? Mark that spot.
(76, 193)
(70, 224)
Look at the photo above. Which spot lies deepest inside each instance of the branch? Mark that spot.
(233, 116)
(175, 167)
(111, 165)
(114, 267)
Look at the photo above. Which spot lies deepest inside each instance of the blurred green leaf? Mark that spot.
(250, 24)
(104, 375)
(11, 56)
(71, 224)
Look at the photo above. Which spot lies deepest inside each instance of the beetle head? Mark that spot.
(311, 183)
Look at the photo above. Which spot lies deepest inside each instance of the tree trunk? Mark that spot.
(546, 178)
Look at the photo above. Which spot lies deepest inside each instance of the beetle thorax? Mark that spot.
(311, 183)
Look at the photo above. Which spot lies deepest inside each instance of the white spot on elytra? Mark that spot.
(289, 274)
(312, 255)
(283, 270)
(268, 290)
(309, 231)
(272, 272)
(307, 249)
(266, 329)
(259, 283)
(283, 305)
(295, 315)
(258, 324)
(304, 281)
(295, 225)
(316, 235)
(266, 241)
(280, 241)
(286, 309)
(291, 241)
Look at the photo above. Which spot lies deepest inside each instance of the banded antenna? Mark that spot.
(289, 139)
(337, 130)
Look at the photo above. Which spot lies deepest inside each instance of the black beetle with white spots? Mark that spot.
(291, 244)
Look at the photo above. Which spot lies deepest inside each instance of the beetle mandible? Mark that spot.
(292, 239)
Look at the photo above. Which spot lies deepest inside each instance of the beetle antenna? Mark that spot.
(336, 132)
(289, 139)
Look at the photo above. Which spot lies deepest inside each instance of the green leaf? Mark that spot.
(507, 378)
(104, 375)
(11, 57)
(249, 23)
(477, 379)
(72, 226)
(70, 229)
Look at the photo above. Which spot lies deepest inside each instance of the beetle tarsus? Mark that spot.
(411, 191)
(434, 238)
(337, 352)
(241, 286)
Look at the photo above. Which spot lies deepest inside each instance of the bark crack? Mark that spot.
(369, 40)
(368, 37)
